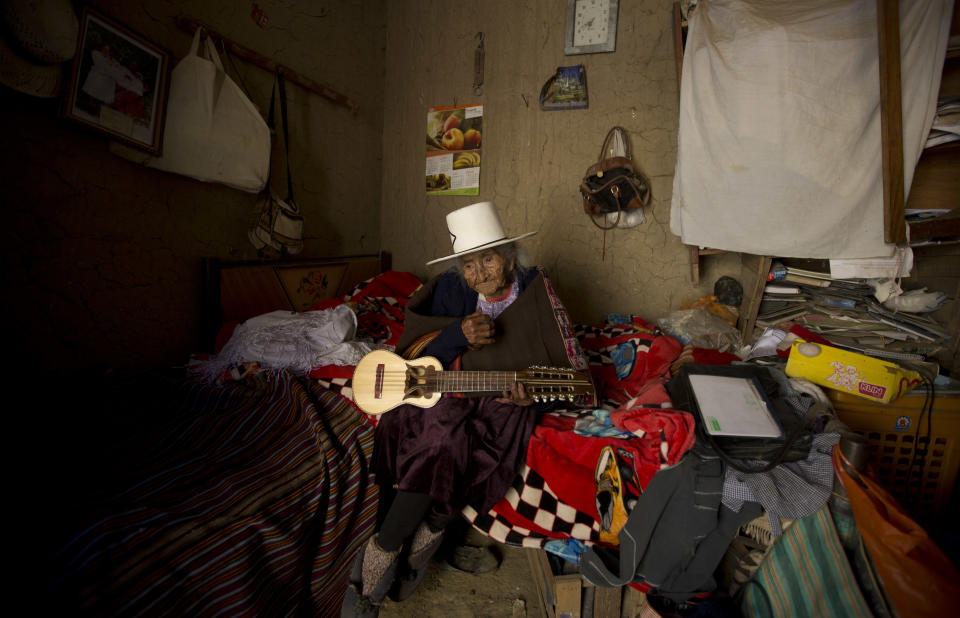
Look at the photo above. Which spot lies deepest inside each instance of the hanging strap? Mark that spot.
(212, 54)
(478, 66)
(281, 87)
(626, 143)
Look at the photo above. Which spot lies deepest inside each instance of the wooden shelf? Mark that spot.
(936, 179)
(943, 227)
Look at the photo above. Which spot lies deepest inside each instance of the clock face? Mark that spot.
(591, 22)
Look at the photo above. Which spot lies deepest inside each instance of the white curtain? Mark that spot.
(779, 139)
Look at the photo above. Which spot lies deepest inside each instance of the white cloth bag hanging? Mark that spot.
(213, 132)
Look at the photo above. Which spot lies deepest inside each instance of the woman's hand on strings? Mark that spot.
(517, 395)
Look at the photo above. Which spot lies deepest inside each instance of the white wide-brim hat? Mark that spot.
(474, 228)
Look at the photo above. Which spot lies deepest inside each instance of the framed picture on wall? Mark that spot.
(119, 82)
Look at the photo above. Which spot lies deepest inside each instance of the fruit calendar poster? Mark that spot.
(454, 140)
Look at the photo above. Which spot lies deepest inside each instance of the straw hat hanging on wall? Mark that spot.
(36, 38)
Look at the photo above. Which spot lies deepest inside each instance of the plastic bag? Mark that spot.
(917, 576)
(700, 328)
(213, 132)
(727, 313)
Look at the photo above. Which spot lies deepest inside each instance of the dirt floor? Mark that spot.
(508, 592)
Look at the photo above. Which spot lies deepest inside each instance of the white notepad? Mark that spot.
(733, 406)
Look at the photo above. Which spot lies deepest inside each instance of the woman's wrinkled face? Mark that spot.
(487, 272)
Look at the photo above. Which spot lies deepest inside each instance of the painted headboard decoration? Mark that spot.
(236, 291)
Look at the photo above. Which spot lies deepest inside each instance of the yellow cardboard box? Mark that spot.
(849, 372)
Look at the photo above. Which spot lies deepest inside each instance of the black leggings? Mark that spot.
(405, 512)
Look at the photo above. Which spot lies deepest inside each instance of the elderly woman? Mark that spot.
(487, 313)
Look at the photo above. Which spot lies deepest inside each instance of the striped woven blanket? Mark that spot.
(260, 499)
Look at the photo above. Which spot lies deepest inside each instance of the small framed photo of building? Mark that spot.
(119, 83)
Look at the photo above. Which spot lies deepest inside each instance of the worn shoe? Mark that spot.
(356, 606)
(471, 559)
(423, 546)
(370, 579)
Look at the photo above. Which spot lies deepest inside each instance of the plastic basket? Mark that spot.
(891, 430)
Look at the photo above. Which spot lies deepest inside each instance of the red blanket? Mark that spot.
(625, 357)
(555, 494)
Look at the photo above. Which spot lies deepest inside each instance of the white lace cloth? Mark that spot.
(289, 340)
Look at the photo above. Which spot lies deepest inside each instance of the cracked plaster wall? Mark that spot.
(533, 160)
(103, 255)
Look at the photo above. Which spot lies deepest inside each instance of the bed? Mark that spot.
(248, 495)
(251, 493)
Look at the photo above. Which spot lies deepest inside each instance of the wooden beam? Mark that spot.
(753, 278)
(891, 120)
(543, 578)
(190, 25)
(694, 264)
(568, 595)
(606, 601)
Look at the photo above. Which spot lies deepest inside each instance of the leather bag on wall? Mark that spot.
(613, 184)
(213, 131)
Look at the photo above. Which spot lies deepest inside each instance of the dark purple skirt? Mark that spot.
(462, 451)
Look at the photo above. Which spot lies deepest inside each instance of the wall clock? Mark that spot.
(591, 26)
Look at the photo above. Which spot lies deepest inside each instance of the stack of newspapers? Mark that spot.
(846, 313)
(946, 124)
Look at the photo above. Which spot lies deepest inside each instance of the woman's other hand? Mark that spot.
(517, 395)
(477, 328)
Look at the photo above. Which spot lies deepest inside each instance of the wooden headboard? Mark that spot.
(236, 291)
